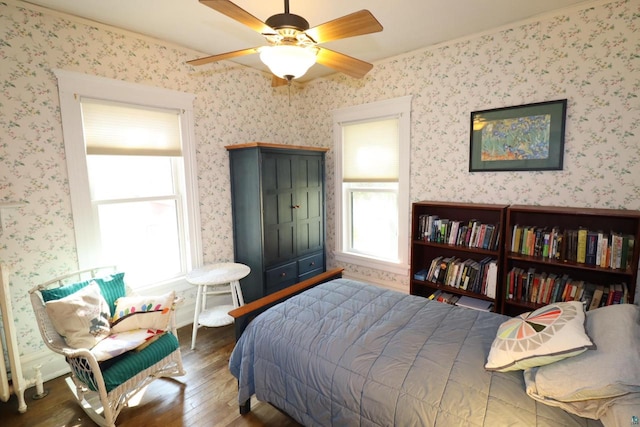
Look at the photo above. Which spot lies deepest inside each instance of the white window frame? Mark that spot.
(400, 108)
(73, 86)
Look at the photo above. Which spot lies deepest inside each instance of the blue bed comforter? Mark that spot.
(348, 353)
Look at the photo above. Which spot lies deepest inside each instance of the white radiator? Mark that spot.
(17, 384)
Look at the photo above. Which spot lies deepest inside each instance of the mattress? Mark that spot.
(350, 353)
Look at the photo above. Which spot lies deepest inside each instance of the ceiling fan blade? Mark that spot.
(277, 81)
(354, 24)
(235, 12)
(345, 64)
(220, 57)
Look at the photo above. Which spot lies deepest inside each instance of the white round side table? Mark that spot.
(216, 279)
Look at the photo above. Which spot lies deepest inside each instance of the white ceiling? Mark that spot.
(408, 24)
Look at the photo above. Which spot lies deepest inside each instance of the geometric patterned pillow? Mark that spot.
(82, 317)
(548, 334)
(142, 312)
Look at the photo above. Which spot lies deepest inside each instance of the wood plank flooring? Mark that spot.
(205, 396)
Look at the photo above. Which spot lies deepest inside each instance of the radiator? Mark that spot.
(11, 378)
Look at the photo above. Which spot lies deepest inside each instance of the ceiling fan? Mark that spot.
(292, 46)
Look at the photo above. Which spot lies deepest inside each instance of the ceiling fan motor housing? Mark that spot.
(287, 20)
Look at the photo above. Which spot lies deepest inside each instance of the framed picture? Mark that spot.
(524, 138)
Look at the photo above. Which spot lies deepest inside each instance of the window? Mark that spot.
(131, 160)
(372, 184)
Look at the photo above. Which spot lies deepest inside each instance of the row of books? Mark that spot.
(472, 233)
(583, 246)
(545, 288)
(471, 275)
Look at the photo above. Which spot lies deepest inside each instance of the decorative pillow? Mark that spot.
(611, 370)
(121, 342)
(548, 334)
(112, 287)
(142, 312)
(82, 318)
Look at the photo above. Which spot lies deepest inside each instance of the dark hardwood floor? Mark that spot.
(205, 396)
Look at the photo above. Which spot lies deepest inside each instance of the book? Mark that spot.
(597, 296)
(624, 254)
(581, 249)
(492, 279)
(435, 263)
(587, 295)
(474, 303)
(592, 248)
(421, 275)
(604, 258)
(616, 250)
(516, 235)
(435, 295)
(617, 293)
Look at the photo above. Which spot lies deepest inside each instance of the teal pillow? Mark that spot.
(111, 287)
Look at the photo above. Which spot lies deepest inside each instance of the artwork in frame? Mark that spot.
(523, 138)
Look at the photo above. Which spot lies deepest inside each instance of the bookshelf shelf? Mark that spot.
(559, 228)
(568, 264)
(427, 245)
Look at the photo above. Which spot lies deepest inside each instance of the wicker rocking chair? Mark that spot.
(103, 389)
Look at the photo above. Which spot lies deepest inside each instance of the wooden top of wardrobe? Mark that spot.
(273, 145)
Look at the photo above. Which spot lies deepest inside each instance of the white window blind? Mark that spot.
(370, 151)
(113, 128)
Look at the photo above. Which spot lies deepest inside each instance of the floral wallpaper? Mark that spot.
(590, 56)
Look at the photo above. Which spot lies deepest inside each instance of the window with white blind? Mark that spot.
(131, 164)
(372, 184)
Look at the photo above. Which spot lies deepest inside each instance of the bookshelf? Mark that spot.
(464, 239)
(547, 247)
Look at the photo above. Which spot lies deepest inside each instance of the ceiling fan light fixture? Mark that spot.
(288, 61)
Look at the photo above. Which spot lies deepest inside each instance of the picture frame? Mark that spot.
(527, 137)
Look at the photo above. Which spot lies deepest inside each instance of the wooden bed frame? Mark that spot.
(243, 315)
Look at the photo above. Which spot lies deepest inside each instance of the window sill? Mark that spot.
(364, 261)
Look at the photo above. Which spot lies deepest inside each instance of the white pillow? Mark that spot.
(546, 335)
(142, 312)
(82, 318)
(119, 343)
(596, 376)
(622, 410)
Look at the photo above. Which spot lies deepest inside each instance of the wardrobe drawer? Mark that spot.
(281, 277)
(309, 263)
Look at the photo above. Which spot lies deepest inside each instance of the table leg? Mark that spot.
(236, 294)
(196, 315)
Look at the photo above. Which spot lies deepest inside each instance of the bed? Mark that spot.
(349, 353)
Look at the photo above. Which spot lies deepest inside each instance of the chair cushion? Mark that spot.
(82, 318)
(112, 287)
(119, 369)
(121, 342)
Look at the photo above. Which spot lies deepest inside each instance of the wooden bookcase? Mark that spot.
(425, 250)
(564, 261)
